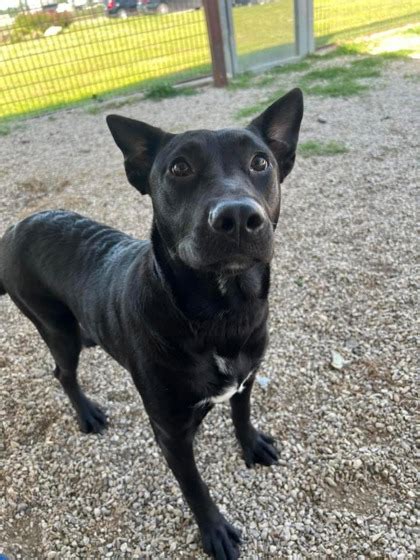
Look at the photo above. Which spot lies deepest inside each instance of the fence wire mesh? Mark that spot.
(264, 32)
(67, 51)
(97, 50)
(345, 19)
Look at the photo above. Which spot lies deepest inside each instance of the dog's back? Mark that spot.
(54, 249)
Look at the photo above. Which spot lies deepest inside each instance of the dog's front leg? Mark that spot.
(256, 446)
(220, 539)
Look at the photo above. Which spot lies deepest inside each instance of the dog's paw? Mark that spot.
(260, 449)
(221, 540)
(92, 419)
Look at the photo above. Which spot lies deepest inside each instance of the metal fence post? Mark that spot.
(214, 28)
(228, 34)
(304, 26)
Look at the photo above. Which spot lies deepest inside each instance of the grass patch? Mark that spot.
(343, 80)
(93, 109)
(415, 30)
(344, 49)
(300, 66)
(165, 90)
(241, 81)
(249, 80)
(5, 129)
(253, 110)
(331, 73)
(265, 80)
(315, 148)
(402, 54)
(250, 111)
(368, 63)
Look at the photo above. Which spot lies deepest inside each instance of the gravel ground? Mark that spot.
(343, 281)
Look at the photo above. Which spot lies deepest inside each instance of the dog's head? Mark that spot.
(215, 194)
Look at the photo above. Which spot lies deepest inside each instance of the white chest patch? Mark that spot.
(226, 395)
(234, 387)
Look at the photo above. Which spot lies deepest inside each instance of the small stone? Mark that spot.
(321, 119)
(357, 463)
(263, 381)
(375, 537)
(123, 547)
(337, 360)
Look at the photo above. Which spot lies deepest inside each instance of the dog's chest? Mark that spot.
(230, 376)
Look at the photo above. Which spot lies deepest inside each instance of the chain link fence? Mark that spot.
(58, 54)
(55, 52)
(346, 19)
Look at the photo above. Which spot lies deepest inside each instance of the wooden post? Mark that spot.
(214, 29)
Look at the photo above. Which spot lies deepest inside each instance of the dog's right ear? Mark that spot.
(139, 143)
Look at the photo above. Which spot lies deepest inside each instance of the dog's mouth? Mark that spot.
(232, 263)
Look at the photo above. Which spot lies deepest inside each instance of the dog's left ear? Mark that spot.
(139, 143)
(279, 127)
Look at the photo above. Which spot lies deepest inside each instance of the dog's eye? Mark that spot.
(259, 163)
(180, 168)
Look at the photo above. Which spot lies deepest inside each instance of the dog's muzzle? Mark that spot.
(234, 235)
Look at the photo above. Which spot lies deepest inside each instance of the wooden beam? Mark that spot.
(214, 29)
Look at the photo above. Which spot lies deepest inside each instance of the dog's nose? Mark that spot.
(236, 217)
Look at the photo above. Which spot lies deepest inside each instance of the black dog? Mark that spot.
(186, 312)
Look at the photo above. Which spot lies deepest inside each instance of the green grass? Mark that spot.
(164, 90)
(244, 80)
(415, 30)
(251, 110)
(160, 90)
(249, 79)
(331, 73)
(396, 55)
(260, 29)
(300, 66)
(101, 106)
(343, 80)
(264, 80)
(5, 129)
(96, 56)
(315, 148)
(346, 19)
(256, 108)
